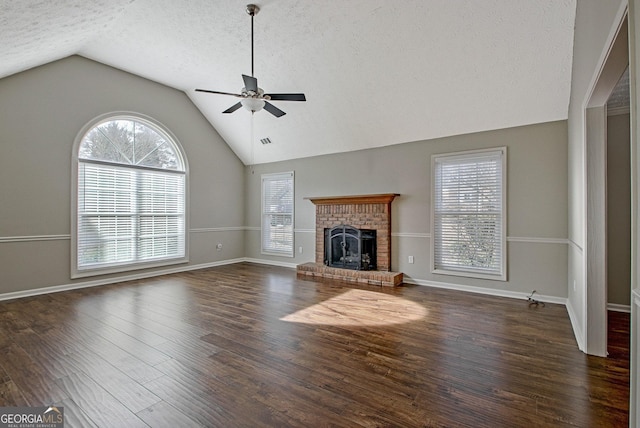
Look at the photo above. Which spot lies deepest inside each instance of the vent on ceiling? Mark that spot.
(265, 140)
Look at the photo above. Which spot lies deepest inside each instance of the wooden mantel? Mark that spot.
(382, 198)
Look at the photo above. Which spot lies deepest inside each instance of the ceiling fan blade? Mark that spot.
(287, 97)
(233, 108)
(273, 110)
(250, 83)
(218, 92)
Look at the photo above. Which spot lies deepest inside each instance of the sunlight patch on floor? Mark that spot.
(360, 308)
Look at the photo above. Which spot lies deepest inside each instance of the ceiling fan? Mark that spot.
(252, 97)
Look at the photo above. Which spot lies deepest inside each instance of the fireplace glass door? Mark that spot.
(350, 248)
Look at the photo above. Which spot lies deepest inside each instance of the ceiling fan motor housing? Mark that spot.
(252, 94)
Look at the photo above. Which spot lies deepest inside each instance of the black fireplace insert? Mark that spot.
(350, 248)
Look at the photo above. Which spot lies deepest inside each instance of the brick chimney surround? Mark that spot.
(362, 212)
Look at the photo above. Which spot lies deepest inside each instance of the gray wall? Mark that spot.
(618, 210)
(41, 112)
(537, 202)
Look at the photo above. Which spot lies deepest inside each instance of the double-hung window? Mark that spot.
(277, 214)
(469, 214)
(130, 199)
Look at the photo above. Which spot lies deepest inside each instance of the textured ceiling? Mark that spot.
(375, 72)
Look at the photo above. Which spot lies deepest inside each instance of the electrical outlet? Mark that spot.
(219, 246)
(410, 259)
(574, 285)
(300, 250)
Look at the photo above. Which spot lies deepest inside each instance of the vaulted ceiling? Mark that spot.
(375, 72)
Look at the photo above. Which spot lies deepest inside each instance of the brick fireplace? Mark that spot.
(372, 212)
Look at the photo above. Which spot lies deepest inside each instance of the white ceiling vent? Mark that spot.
(265, 140)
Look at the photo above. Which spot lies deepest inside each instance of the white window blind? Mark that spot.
(277, 214)
(130, 197)
(469, 229)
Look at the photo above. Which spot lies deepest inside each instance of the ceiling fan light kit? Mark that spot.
(252, 97)
(253, 104)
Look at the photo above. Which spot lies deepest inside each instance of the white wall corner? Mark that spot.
(577, 330)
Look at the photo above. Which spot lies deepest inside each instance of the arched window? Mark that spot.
(131, 197)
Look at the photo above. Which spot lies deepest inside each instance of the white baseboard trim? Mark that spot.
(619, 308)
(106, 281)
(577, 331)
(270, 262)
(488, 291)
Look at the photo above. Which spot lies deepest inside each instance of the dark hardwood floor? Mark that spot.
(248, 346)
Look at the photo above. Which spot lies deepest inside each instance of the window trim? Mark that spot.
(77, 272)
(471, 273)
(268, 252)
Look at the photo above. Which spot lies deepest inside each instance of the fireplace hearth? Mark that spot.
(348, 247)
(353, 240)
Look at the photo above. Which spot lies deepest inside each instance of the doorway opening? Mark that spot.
(604, 203)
